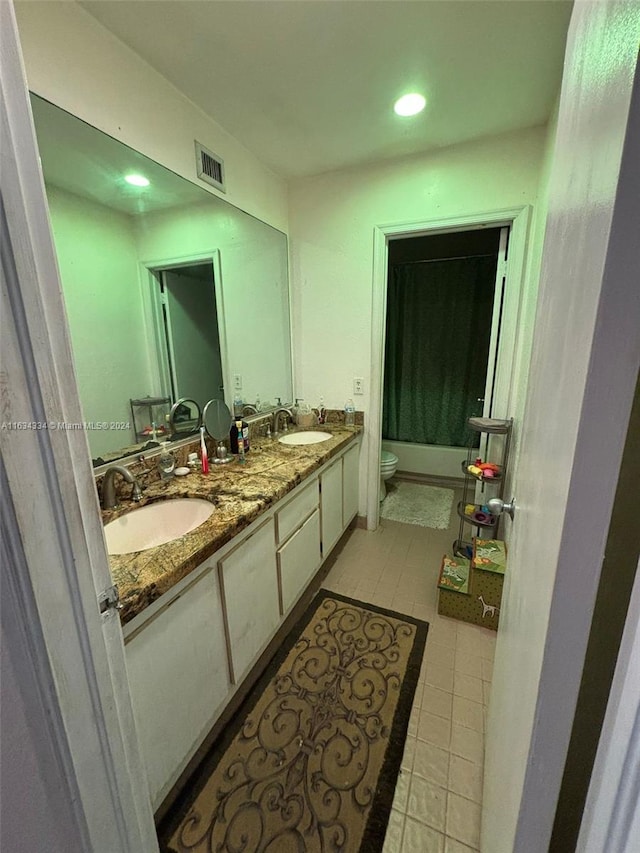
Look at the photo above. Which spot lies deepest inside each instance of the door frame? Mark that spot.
(518, 220)
(153, 320)
(74, 675)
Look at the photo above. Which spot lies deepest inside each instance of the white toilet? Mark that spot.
(388, 465)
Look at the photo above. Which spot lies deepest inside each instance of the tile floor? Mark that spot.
(437, 801)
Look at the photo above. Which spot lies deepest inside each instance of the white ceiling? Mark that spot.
(308, 85)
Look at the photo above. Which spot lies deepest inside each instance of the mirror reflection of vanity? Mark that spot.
(170, 291)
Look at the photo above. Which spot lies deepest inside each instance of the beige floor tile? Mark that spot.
(427, 803)
(476, 641)
(413, 722)
(463, 820)
(401, 794)
(437, 701)
(440, 677)
(467, 744)
(402, 605)
(409, 754)
(443, 631)
(487, 669)
(465, 778)
(431, 763)
(468, 714)
(453, 846)
(468, 687)
(426, 612)
(468, 664)
(440, 655)
(435, 730)
(393, 837)
(418, 838)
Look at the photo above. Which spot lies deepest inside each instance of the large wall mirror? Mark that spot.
(170, 291)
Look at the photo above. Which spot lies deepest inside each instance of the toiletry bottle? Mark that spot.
(321, 411)
(193, 462)
(239, 435)
(349, 413)
(240, 441)
(166, 461)
(204, 458)
(237, 406)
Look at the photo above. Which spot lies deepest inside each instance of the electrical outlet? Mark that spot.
(358, 385)
(237, 382)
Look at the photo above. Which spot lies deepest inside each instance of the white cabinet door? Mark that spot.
(250, 583)
(350, 478)
(179, 678)
(298, 560)
(331, 503)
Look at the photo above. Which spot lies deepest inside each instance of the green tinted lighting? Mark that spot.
(137, 180)
(409, 105)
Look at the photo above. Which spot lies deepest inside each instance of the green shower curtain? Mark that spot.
(437, 345)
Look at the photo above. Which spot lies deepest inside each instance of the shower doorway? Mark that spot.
(445, 294)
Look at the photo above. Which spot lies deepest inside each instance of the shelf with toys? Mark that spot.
(482, 480)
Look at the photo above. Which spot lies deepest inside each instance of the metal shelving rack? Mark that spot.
(485, 522)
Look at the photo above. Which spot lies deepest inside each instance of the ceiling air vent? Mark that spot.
(210, 167)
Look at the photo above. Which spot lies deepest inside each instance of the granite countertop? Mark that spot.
(240, 494)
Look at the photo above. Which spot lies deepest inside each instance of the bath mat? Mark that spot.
(414, 503)
(310, 761)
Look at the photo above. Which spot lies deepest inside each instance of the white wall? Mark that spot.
(76, 63)
(98, 262)
(332, 220)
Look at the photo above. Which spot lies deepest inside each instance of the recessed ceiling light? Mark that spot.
(409, 105)
(137, 180)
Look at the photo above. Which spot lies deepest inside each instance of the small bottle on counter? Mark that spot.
(349, 413)
(166, 461)
(239, 435)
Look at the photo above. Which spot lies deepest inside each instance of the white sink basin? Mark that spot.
(155, 524)
(307, 437)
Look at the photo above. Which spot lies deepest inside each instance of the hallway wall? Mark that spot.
(332, 219)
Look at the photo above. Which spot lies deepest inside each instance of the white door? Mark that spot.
(74, 676)
(583, 371)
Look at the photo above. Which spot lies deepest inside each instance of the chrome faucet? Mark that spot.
(109, 489)
(249, 409)
(276, 418)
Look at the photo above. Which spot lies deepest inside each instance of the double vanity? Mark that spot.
(199, 610)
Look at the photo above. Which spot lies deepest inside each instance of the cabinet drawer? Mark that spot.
(293, 514)
(298, 560)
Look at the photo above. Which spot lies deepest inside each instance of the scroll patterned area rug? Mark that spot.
(415, 503)
(310, 763)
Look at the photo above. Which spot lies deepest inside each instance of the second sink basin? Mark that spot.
(155, 524)
(306, 437)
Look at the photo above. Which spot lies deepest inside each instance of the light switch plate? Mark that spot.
(237, 382)
(358, 385)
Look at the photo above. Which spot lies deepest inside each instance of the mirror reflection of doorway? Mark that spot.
(189, 319)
